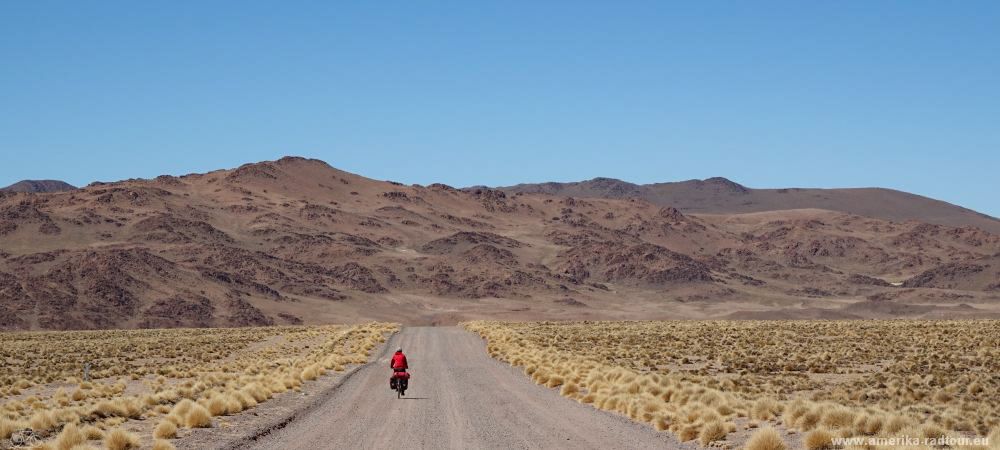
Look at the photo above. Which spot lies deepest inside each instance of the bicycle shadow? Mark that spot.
(414, 398)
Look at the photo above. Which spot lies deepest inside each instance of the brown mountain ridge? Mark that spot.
(722, 196)
(39, 186)
(297, 241)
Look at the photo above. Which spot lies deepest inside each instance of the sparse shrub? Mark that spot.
(554, 381)
(119, 439)
(868, 425)
(809, 420)
(181, 409)
(216, 406)
(177, 419)
(932, 431)
(661, 423)
(688, 433)
(110, 408)
(69, 437)
(794, 411)
(818, 440)
(314, 371)
(245, 400)
(198, 417)
(93, 433)
(711, 432)
(162, 444)
(764, 409)
(837, 418)
(84, 447)
(8, 427)
(165, 430)
(42, 421)
(942, 397)
(766, 439)
(896, 424)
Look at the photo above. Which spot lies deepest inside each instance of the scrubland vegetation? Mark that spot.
(147, 386)
(802, 383)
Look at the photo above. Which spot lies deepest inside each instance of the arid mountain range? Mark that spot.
(719, 195)
(297, 241)
(39, 186)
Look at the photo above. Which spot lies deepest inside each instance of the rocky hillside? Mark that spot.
(977, 274)
(295, 240)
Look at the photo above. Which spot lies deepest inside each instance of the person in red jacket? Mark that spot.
(398, 361)
(398, 365)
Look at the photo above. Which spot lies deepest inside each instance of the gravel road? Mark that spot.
(458, 398)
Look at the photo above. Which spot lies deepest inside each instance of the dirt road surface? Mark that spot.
(458, 398)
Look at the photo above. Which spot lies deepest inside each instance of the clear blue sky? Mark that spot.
(900, 94)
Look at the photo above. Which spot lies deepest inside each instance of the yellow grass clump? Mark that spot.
(711, 432)
(165, 430)
(766, 439)
(8, 427)
(84, 447)
(764, 409)
(43, 421)
(69, 437)
(198, 417)
(163, 444)
(119, 439)
(819, 439)
(93, 433)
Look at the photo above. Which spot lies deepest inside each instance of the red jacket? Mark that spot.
(398, 361)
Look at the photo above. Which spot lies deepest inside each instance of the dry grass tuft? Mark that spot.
(711, 432)
(932, 431)
(93, 433)
(312, 372)
(198, 417)
(84, 447)
(837, 418)
(766, 439)
(162, 444)
(43, 421)
(765, 409)
(688, 433)
(8, 427)
(569, 389)
(181, 409)
(217, 406)
(818, 439)
(165, 430)
(70, 437)
(119, 439)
